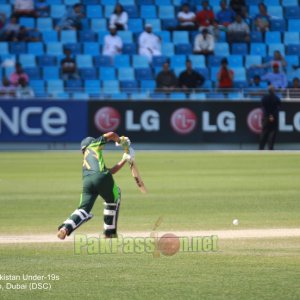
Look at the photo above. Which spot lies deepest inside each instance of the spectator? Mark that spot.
(278, 58)
(112, 43)
(72, 19)
(42, 8)
(225, 16)
(166, 80)
(6, 90)
(257, 87)
(204, 43)
(68, 66)
(238, 31)
(262, 20)
(190, 79)
(186, 18)
(2, 20)
(294, 91)
(17, 75)
(23, 35)
(225, 75)
(10, 30)
(149, 43)
(24, 8)
(271, 105)
(119, 18)
(239, 7)
(276, 78)
(205, 18)
(24, 91)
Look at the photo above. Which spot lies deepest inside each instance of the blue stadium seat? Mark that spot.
(126, 36)
(91, 48)
(68, 36)
(129, 49)
(55, 86)
(127, 2)
(132, 11)
(158, 96)
(197, 96)
(128, 85)
(256, 37)
(98, 25)
(147, 85)
(289, 2)
(139, 96)
(291, 38)
(84, 61)
(126, 73)
(145, 2)
(275, 11)
(178, 70)
(50, 36)
(235, 60)
(183, 49)
(80, 96)
(293, 49)
(120, 96)
(108, 9)
(198, 61)
(107, 73)
(158, 61)
(204, 72)
(156, 24)
(292, 60)
(167, 49)
(178, 61)
(62, 96)
(164, 35)
(37, 85)
(91, 2)
(143, 74)
(273, 37)
(162, 2)
(169, 24)
(180, 37)
(239, 48)
(46, 60)
(18, 48)
(258, 49)
(54, 48)
(139, 61)
(6, 9)
(102, 61)
(293, 25)
(135, 25)
(74, 85)
(222, 49)
(92, 86)
(70, 2)
(253, 10)
(121, 61)
(57, 11)
(166, 12)
(273, 47)
(35, 48)
(148, 12)
(50, 73)
(278, 25)
(177, 96)
(74, 48)
(4, 49)
(214, 61)
(251, 60)
(87, 36)
(111, 87)
(292, 12)
(27, 60)
(101, 36)
(88, 73)
(33, 73)
(94, 11)
(27, 22)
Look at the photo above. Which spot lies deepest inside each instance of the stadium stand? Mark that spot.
(129, 75)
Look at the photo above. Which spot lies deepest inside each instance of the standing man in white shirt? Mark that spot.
(186, 19)
(149, 43)
(24, 8)
(204, 43)
(112, 42)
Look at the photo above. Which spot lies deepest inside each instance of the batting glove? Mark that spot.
(124, 142)
(127, 157)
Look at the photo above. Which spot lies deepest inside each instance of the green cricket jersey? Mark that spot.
(93, 161)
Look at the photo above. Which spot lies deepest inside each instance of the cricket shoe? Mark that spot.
(111, 236)
(62, 233)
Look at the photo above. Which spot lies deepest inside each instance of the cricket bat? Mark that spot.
(136, 175)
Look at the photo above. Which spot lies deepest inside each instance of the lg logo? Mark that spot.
(107, 119)
(183, 120)
(254, 120)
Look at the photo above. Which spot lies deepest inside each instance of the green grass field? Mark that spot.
(191, 191)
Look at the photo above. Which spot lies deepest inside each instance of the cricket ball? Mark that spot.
(169, 244)
(235, 222)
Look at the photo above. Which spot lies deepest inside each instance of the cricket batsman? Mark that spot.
(98, 180)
